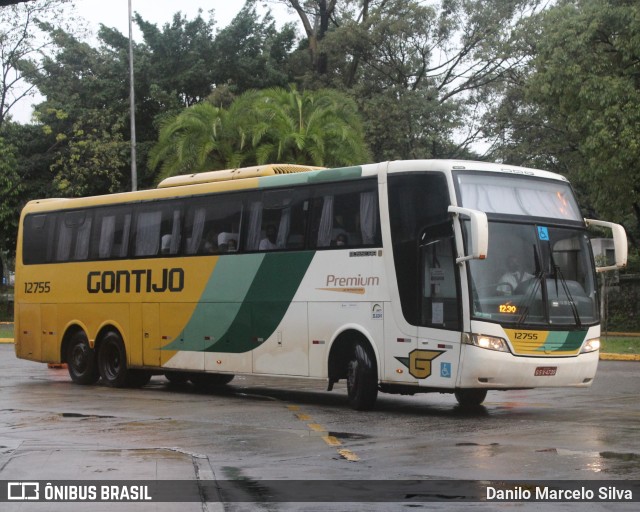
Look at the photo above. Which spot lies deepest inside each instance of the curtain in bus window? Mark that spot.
(175, 233)
(326, 223)
(255, 225)
(65, 235)
(283, 228)
(126, 230)
(517, 196)
(368, 217)
(148, 233)
(199, 218)
(82, 241)
(107, 231)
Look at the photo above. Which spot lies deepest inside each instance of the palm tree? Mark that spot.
(200, 138)
(273, 126)
(312, 127)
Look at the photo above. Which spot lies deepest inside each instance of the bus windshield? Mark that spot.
(535, 275)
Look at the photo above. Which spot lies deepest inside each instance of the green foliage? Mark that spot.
(10, 190)
(251, 53)
(198, 139)
(576, 107)
(94, 157)
(311, 127)
(276, 125)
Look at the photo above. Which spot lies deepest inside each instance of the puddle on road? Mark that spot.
(348, 435)
(245, 487)
(83, 416)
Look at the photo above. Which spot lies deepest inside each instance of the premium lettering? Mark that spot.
(136, 281)
(352, 281)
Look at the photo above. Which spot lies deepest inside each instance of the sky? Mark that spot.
(114, 13)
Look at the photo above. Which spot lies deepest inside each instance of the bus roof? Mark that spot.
(235, 174)
(282, 175)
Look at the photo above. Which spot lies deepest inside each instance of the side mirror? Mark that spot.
(619, 243)
(479, 233)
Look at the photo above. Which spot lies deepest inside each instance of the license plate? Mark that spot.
(545, 371)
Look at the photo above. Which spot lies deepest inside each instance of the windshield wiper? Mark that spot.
(557, 271)
(533, 290)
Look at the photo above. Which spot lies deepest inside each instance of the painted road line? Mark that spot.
(349, 455)
(332, 441)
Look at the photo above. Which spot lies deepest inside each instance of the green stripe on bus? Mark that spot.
(244, 301)
(266, 303)
(563, 341)
(220, 302)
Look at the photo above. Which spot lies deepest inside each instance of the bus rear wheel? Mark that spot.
(81, 360)
(112, 363)
(362, 379)
(470, 397)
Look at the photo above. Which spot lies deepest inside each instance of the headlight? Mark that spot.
(488, 342)
(590, 345)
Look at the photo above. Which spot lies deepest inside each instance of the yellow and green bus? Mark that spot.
(398, 277)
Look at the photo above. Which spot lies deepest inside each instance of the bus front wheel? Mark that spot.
(470, 397)
(362, 379)
(81, 360)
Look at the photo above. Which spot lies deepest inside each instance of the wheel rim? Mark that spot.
(112, 363)
(79, 359)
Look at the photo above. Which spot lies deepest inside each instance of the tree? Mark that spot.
(576, 106)
(275, 125)
(10, 189)
(94, 157)
(23, 40)
(198, 139)
(429, 66)
(311, 127)
(251, 53)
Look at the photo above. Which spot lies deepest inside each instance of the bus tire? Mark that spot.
(362, 379)
(210, 380)
(81, 360)
(138, 378)
(112, 361)
(470, 397)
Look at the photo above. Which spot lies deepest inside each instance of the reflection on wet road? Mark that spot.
(268, 429)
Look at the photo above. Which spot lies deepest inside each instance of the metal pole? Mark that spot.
(132, 108)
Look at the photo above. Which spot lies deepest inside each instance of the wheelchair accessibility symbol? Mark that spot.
(445, 370)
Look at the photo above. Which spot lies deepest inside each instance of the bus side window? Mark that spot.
(74, 229)
(278, 220)
(348, 218)
(38, 238)
(212, 225)
(111, 233)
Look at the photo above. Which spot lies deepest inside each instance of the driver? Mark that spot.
(513, 277)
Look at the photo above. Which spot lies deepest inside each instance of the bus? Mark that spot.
(397, 277)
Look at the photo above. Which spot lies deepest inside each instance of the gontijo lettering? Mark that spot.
(136, 281)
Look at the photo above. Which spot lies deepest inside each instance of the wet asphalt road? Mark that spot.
(268, 429)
